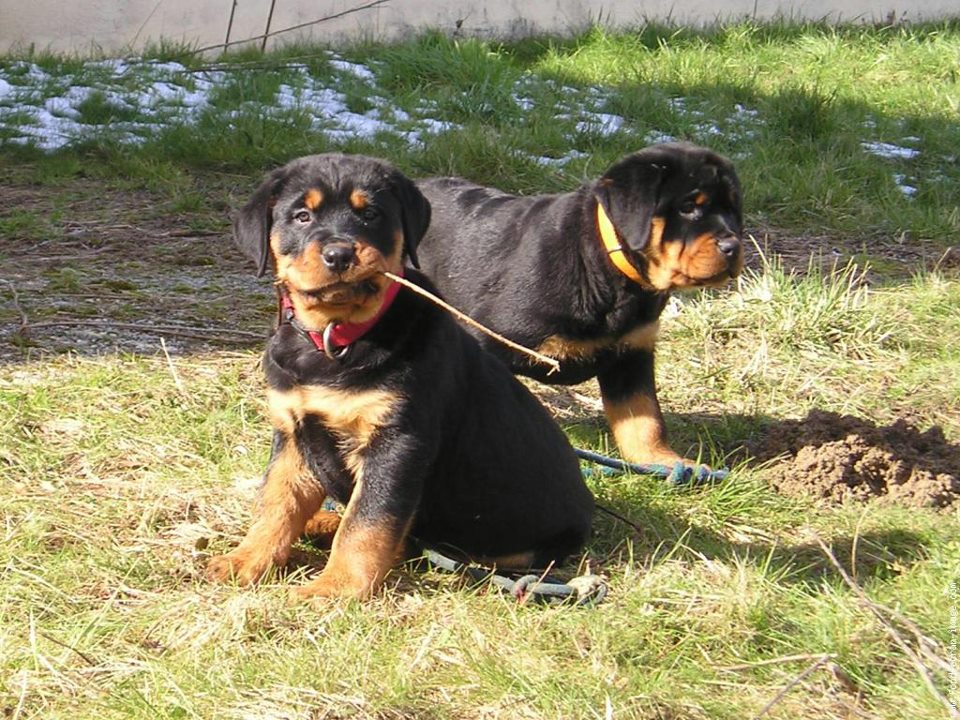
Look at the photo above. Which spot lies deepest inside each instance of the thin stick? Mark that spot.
(172, 367)
(622, 518)
(922, 669)
(776, 661)
(549, 361)
(24, 321)
(174, 330)
(233, 11)
(786, 688)
(266, 33)
(71, 648)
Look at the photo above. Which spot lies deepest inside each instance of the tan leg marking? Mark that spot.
(322, 526)
(290, 497)
(516, 561)
(639, 430)
(362, 554)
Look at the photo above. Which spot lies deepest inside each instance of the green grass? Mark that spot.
(121, 472)
(791, 103)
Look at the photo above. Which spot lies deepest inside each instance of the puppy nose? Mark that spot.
(729, 245)
(338, 256)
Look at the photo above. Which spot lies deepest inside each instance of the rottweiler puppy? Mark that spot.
(584, 276)
(382, 402)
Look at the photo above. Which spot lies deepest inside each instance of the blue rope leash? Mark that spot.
(677, 474)
(583, 591)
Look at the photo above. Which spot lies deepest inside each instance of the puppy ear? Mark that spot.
(251, 226)
(414, 214)
(630, 192)
(731, 183)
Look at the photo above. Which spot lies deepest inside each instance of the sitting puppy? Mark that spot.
(583, 276)
(382, 402)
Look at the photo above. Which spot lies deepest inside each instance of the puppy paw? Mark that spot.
(662, 456)
(330, 585)
(240, 566)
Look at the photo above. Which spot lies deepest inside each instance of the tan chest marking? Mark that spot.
(354, 414)
(353, 417)
(643, 337)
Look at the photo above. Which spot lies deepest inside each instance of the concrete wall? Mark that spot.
(114, 26)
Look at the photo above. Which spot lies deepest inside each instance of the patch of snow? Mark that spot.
(601, 123)
(166, 92)
(560, 161)
(889, 151)
(355, 69)
(901, 181)
(524, 103)
(708, 130)
(655, 137)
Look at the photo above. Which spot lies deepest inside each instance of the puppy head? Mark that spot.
(678, 211)
(328, 225)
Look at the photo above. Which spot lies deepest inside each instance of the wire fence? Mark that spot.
(269, 32)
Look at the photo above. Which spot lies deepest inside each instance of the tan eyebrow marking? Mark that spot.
(312, 198)
(359, 199)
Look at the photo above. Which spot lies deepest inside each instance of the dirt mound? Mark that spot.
(839, 458)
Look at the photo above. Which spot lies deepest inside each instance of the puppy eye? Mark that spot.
(301, 216)
(369, 214)
(690, 209)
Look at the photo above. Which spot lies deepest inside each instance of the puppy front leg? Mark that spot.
(371, 535)
(363, 552)
(290, 496)
(629, 392)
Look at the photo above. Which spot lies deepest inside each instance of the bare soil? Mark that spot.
(836, 458)
(107, 270)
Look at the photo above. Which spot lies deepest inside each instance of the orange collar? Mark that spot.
(611, 242)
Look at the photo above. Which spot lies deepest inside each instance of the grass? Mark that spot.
(125, 463)
(791, 103)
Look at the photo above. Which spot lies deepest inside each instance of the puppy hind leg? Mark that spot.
(322, 527)
(290, 497)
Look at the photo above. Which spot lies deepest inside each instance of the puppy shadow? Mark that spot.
(645, 533)
(826, 458)
(656, 535)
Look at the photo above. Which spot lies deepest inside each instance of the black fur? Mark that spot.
(533, 268)
(466, 458)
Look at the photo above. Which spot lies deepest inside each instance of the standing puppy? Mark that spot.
(583, 276)
(382, 402)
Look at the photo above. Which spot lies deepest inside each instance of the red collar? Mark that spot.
(335, 339)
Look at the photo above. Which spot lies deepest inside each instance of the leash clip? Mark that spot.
(328, 349)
